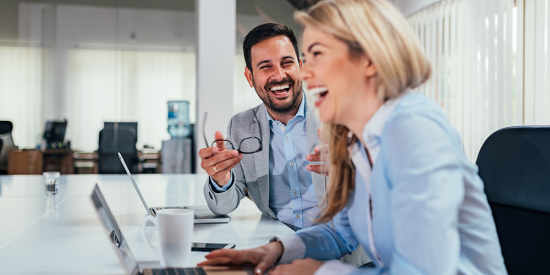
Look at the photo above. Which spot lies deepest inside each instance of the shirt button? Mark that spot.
(287, 136)
(294, 192)
(291, 164)
(297, 216)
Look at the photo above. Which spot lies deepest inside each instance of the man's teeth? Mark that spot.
(278, 88)
(318, 90)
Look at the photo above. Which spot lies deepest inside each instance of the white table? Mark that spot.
(62, 234)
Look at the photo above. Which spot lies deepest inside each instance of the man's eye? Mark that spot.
(264, 67)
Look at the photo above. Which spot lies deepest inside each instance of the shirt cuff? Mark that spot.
(225, 187)
(335, 267)
(294, 248)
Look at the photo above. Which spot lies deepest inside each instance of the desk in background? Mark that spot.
(63, 234)
(34, 162)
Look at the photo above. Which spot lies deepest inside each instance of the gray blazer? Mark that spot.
(251, 175)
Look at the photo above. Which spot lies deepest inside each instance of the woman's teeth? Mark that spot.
(317, 91)
(278, 88)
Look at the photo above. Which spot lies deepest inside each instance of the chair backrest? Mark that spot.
(514, 164)
(6, 127)
(112, 141)
(120, 140)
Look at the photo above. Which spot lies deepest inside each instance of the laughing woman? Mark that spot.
(400, 184)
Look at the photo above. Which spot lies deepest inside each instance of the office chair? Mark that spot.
(6, 127)
(113, 140)
(514, 164)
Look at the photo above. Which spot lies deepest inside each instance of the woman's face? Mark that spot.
(329, 69)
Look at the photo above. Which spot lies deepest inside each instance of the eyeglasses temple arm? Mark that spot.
(204, 128)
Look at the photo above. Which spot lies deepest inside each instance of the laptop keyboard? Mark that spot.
(179, 271)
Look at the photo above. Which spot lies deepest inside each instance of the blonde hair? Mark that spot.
(376, 29)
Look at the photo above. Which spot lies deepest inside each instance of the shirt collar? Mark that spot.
(301, 110)
(375, 125)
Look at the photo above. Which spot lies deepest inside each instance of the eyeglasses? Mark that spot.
(248, 145)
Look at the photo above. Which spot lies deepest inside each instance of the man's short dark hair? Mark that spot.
(263, 32)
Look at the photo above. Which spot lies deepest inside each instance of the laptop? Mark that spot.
(129, 263)
(202, 213)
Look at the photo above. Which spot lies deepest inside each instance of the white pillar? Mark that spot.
(215, 61)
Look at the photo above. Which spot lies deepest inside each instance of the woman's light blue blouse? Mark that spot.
(430, 214)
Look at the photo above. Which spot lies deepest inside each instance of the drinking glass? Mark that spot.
(51, 182)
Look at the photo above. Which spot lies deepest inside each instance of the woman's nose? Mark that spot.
(305, 72)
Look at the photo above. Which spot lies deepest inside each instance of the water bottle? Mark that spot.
(178, 119)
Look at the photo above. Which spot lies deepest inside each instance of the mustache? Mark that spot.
(286, 80)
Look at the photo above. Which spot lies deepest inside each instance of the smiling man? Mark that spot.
(275, 178)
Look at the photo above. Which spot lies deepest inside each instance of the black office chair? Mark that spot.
(6, 139)
(111, 141)
(514, 164)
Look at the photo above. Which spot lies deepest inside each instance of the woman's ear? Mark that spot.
(370, 70)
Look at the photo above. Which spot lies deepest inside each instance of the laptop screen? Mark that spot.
(115, 235)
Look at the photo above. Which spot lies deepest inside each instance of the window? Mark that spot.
(21, 92)
(109, 85)
(477, 57)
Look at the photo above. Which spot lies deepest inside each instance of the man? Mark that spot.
(277, 177)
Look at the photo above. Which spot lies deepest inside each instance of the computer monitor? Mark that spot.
(133, 126)
(54, 131)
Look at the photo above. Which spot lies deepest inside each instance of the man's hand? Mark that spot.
(320, 155)
(217, 161)
(302, 267)
(262, 257)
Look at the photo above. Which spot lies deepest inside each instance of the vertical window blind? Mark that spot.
(481, 76)
(537, 59)
(21, 90)
(105, 85)
(111, 85)
(108, 85)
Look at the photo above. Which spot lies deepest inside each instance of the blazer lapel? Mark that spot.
(261, 159)
(312, 125)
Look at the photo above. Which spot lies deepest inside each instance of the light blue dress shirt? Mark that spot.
(429, 212)
(291, 193)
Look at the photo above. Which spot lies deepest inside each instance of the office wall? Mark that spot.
(10, 16)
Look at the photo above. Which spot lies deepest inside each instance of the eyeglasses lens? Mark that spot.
(250, 145)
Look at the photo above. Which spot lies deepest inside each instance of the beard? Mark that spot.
(280, 106)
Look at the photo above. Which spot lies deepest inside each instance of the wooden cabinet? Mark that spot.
(34, 162)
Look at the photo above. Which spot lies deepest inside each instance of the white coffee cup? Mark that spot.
(174, 231)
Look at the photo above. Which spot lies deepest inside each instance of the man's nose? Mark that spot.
(278, 74)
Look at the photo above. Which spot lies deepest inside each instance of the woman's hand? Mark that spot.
(263, 257)
(305, 267)
(320, 155)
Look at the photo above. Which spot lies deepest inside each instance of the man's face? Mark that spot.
(275, 74)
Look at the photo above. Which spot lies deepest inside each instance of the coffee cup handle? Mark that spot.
(151, 219)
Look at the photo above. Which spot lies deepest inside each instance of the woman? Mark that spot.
(400, 183)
